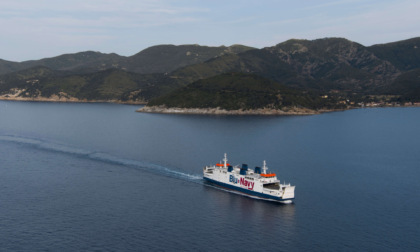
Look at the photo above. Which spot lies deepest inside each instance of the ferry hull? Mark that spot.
(256, 183)
(249, 192)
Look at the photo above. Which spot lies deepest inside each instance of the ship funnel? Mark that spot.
(244, 169)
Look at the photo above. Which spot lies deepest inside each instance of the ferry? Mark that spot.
(253, 182)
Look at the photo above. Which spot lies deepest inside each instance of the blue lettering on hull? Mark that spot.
(233, 179)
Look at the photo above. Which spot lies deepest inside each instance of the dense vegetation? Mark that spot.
(324, 65)
(155, 59)
(341, 71)
(405, 55)
(406, 86)
(232, 91)
(111, 84)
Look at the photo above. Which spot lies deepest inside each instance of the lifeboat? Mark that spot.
(222, 165)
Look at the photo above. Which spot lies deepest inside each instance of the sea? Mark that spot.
(102, 177)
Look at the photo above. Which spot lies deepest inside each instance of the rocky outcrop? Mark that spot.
(340, 61)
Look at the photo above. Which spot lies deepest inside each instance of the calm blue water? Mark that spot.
(100, 177)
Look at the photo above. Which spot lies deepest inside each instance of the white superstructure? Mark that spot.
(255, 182)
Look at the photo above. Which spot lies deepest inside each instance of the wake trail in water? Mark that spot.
(106, 158)
(102, 157)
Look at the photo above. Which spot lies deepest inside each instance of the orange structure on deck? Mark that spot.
(270, 175)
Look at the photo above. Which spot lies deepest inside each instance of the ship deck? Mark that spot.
(272, 186)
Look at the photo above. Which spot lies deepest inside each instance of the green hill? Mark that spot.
(78, 62)
(155, 59)
(25, 78)
(323, 64)
(405, 54)
(97, 76)
(407, 86)
(111, 84)
(233, 91)
(167, 58)
(335, 67)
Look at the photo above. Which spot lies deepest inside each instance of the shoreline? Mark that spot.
(218, 111)
(289, 111)
(68, 100)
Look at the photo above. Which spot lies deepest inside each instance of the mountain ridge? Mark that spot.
(90, 61)
(330, 67)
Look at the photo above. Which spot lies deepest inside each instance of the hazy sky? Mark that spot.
(44, 28)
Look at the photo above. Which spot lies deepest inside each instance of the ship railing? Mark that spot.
(208, 169)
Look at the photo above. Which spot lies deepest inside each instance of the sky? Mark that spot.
(33, 30)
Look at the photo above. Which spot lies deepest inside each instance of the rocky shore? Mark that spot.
(202, 111)
(218, 111)
(56, 98)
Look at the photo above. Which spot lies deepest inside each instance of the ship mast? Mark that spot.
(264, 167)
(225, 161)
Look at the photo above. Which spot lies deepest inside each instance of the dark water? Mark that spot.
(100, 177)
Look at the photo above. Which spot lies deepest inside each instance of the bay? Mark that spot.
(83, 177)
